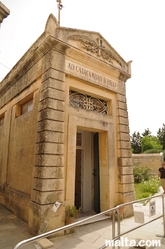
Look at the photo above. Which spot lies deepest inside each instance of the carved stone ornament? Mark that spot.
(82, 101)
(96, 47)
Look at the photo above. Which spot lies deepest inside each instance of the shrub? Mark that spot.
(141, 173)
(152, 185)
(152, 151)
(147, 188)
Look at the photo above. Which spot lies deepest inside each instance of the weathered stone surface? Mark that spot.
(4, 12)
(54, 83)
(49, 172)
(125, 188)
(51, 115)
(50, 136)
(53, 74)
(47, 197)
(126, 179)
(126, 170)
(123, 120)
(153, 161)
(125, 161)
(123, 113)
(51, 125)
(52, 93)
(49, 148)
(123, 128)
(124, 136)
(121, 98)
(124, 145)
(126, 153)
(122, 105)
(52, 103)
(45, 243)
(49, 160)
(48, 184)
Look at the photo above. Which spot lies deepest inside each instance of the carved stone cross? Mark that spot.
(99, 42)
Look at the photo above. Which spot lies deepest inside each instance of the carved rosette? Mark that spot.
(96, 47)
(89, 103)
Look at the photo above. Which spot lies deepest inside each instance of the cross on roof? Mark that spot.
(60, 6)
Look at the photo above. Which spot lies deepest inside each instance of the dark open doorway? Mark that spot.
(87, 185)
(96, 173)
(78, 178)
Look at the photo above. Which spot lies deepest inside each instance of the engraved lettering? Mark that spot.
(71, 66)
(90, 75)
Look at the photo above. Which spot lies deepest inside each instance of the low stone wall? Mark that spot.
(153, 161)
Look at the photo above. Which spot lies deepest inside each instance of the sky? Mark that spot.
(134, 28)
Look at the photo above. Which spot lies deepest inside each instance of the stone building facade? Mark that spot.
(64, 131)
(4, 12)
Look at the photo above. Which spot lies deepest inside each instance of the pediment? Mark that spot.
(91, 43)
(95, 45)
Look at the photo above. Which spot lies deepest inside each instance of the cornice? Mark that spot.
(30, 58)
(4, 12)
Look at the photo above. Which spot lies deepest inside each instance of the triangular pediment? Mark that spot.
(92, 43)
(89, 42)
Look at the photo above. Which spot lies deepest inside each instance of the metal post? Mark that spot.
(163, 215)
(118, 224)
(60, 6)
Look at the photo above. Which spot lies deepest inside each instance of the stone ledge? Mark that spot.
(45, 243)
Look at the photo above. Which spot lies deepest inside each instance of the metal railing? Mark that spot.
(117, 237)
(112, 211)
(53, 232)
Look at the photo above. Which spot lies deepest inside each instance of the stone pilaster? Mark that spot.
(125, 170)
(48, 181)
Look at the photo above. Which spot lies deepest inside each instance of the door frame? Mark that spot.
(107, 158)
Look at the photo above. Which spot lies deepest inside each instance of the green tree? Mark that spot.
(161, 136)
(146, 132)
(151, 143)
(136, 143)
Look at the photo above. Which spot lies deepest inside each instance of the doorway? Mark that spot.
(87, 179)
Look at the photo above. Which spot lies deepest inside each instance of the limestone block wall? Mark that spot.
(48, 181)
(153, 161)
(125, 170)
(17, 153)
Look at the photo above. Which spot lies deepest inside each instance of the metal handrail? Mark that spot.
(52, 232)
(113, 211)
(145, 223)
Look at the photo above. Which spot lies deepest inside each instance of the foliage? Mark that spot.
(136, 143)
(146, 143)
(146, 132)
(71, 211)
(141, 173)
(150, 142)
(147, 188)
(161, 136)
(152, 151)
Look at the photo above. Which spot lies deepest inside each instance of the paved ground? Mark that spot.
(90, 236)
